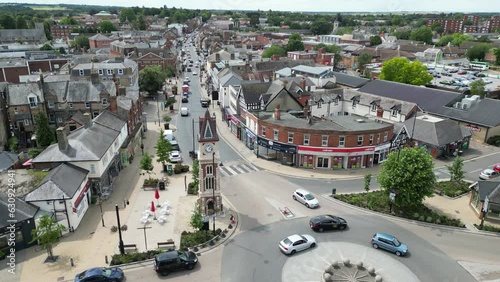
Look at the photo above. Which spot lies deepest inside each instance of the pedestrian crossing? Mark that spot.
(230, 170)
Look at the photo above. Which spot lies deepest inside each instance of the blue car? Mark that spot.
(111, 274)
(390, 243)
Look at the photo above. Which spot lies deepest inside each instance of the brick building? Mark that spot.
(449, 26)
(11, 73)
(99, 41)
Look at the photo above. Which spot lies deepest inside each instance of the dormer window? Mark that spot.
(87, 105)
(101, 72)
(374, 107)
(120, 71)
(354, 102)
(50, 104)
(16, 111)
(394, 113)
(70, 105)
(110, 72)
(33, 101)
(319, 104)
(81, 72)
(336, 101)
(104, 102)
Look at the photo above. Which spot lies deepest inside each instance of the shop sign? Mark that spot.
(277, 146)
(305, 149)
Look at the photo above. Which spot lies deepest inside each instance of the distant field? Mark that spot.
(47, 8)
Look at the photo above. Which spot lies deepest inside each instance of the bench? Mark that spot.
(134, 246)
(168, 243)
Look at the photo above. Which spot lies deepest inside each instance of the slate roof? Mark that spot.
(385, 103)
(23, 210)
(86, 144)
(252, 91)
(490, 188)
(61, 182)
(7, 159)
(57, 89)
(436, 131)
(78, 118)
(18, 93)
(350, 80)
(100, 37)
(85, 91)
(484, 112)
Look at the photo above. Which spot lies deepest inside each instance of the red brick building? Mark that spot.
(12, 73)
(449, 26)
(99, 41)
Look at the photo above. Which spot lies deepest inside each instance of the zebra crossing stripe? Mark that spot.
(230, 171)
(241, 168)
(250, 167)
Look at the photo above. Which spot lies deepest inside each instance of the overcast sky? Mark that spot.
(466, 6)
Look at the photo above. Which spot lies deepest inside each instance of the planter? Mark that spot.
(150, 183)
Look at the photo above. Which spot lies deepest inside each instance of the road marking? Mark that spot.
(475, 170)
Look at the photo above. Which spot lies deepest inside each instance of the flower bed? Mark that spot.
(151, 182)
(452, 189)
(202, 237)
(133, 257)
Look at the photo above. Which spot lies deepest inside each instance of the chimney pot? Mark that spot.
(87, 120)
(277, 113)
(62, 139)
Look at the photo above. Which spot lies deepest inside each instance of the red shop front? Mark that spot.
(335, 158)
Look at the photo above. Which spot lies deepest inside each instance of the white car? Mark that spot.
(184, 112)
(296, 243)
(488, 174)
(305, 197)
(487, 80)
(175, 157)
(195, 73)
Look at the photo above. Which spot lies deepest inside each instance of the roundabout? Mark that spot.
(348, 262)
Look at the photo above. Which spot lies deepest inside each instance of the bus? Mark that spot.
(483, 66)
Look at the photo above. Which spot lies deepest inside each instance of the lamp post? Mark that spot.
(102, 216)
(213, 189)
(120, 244)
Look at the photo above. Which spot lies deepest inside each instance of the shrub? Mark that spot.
(124, 227)
(429, 219)
(438, 221)
(494, 140)
(452, 189)
(421, 218)
(133, 257)
(218, 231)
(192, 189)
(416, 215)
(191, 239)
(114, 228)
(151, 181)
(185, 168)
(487, 227)
(93, 200)
(178, 169)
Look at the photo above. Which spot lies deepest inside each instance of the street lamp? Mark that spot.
(120, 245)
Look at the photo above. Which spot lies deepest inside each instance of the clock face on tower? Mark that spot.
(209, 148)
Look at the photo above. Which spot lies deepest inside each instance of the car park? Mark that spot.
(389, 243)
(327, 222)
(306, 198)
(104, 274)
(175, 157)
(168, 262)
(488, 174)
(296, 243)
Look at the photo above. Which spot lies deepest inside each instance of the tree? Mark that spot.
(409, 174)
(81, 41)
(68, 21)
(403, 71)
(321, 27)
(437, 27)
(363, 60)
(496, 52)
(107, 27)
(62, 50)
(368, 180)
(196, 218)
(7, 21)
(46, 47)
(375, 40)
(456, 170)
(21, 22)
(196, 173)
(423, 34)
(477, 88)
(127, 14)
(151, 79)
(146, 164)
(295, 43)
(274, 50)
(484, 38)
(43, 131)
(140, 23)
(477, 52)
(163, 148)
(47, 233)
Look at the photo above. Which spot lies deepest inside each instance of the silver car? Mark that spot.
(296, 243)
(488, 174)
(175, 157)
(306, 198)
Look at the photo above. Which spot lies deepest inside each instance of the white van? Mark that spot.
(169, 135)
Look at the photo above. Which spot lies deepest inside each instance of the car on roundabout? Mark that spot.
(296, 243)
(105, 274)
(324, 222)
(389, 243)
(306, 198)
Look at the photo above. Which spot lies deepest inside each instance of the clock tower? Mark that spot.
(208, 159)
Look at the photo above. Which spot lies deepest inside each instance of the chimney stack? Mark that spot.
(249, 56)
(217, 57)
(275, 57)
(232, 56)
(113, 105)
(87, 120)
(277, 113)
(94, 76)
(62, 139)
(303, 83)
(122, 91)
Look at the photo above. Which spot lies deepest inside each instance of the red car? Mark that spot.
(496, 168)
(462, 72)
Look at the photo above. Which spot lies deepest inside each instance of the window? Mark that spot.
(290, 137)
(104, 101)
(374, 107)
(341, 141)
(16, 111)
(394, 113)
(26, 122)
(50, 104)
(371, 139)
(354, 102)
(306, 139)
(386, 135)
(110, 72)
(70, 105)
(59, 119)
(209, 182)
(92, 169)
(81, 72)
(263, 133)
(209, 170)
(101, 72)
(52, 117)
(324, 140)
(95, 114)
(120, 71)
(336, 101)
(319, 104)
(87, 105)
(360, 140)
(59, 106)
(32, 101)
(378, 138)
(275, 134)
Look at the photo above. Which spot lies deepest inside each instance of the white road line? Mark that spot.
(237, 169)
(224, 172)
(251, 167)
(475, 170)
(230, 170)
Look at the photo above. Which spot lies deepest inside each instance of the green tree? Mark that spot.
(196, 173)
(151, 79)
(274, 50)
(410, 175)
(47, 233)
(81, 41)
(456, 170)
(437, 27)
(46, 47)
(107, 27)
(367, 180)
(196, 220)
(375, 40)
(295, 43)
(477, 88)
(21, 22)
(363, 60)
(127, 14)
(477, 52)
(163, 148)
(484, 38)
(496, 52)
(62, 50)
(321, 27)
(403, 71)
(7, 21)
(455, 39)
(68, 21)
(423, 34)
(43, 131)
(140, 23)
(146, 164)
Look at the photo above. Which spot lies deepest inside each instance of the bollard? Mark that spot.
(71, 262)
(106, 259)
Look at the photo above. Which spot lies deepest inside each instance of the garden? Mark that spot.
(452, 189)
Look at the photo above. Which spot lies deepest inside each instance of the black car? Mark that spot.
(480, 75)
(111, 274)
(185, 99)
(327, 222)
(173, 261)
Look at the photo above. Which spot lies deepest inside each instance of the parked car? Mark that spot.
(496, 167)
(112, 274)
(390, 243)
(481, 75)
(185, 99)
(296, 243)
(327, 222)
(168, 262)
(487, 80)
(205, 103)
(462, 72)
(305, 197)
(175, 157)
(195, 73)
(184, 112)
(446, 73)
(488, 174)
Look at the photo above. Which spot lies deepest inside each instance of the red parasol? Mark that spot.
(157, 196)
(153, 209)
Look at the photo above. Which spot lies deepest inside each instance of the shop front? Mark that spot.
(234, 125)
(273, 150)
(250, 139)
(381, 153)
(335, 158)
